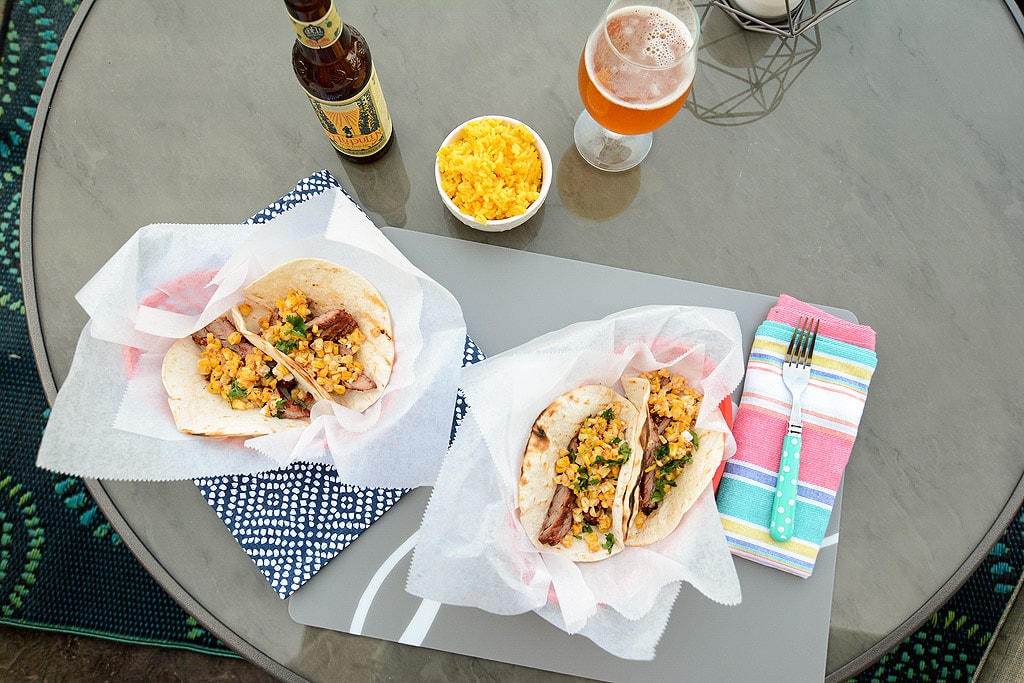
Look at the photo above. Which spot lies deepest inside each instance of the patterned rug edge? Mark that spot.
(62, 566)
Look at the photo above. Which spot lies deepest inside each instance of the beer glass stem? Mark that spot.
(606, 150)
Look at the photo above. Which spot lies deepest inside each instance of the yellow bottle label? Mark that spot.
(360, 125)
(319, 33)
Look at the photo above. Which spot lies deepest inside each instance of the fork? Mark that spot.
(796, 374)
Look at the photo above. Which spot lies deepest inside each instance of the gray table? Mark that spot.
(874, 165)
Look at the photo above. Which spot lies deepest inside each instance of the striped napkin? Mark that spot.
(844, 361)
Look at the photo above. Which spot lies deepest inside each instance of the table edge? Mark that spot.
(1015, 10)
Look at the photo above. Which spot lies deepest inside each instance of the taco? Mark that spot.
(327, 324)
(578, 469)
(219, 384)
(676, 461)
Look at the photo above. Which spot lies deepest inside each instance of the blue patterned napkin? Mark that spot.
(293, 521)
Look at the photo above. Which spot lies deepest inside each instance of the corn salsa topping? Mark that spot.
(592, 472)
(331, 363)
(246, 383)
(673, 399)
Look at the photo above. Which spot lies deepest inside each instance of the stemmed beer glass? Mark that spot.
(634, 76)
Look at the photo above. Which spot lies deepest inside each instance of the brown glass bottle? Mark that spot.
(334, 67)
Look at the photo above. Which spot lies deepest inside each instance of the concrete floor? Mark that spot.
(27, 655)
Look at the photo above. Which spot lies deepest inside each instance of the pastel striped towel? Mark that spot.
(844, 361)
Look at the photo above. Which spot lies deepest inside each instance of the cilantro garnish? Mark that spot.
(601, 460)
(660, 489)
(286, 345)
(236, 391)
(298, 326)
(659, 492)
(609, 542)
(608, 414)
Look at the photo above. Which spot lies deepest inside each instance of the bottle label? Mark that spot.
(360, 125)
(322, 32)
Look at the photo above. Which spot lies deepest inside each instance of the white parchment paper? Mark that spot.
(111, 418)
(471, 549)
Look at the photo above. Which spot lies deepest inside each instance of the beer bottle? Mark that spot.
(334, 67)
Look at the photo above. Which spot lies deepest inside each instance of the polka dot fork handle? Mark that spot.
(796, 374)
(784, 510)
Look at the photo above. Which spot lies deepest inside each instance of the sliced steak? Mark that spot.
(361, 383)
(222, 329)
(559, 519)
(649, 479)
(333, 324)
(662, 425)
(290, 409)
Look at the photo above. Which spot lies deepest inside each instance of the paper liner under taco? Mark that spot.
(552, 432)
(327, 286)
(197, 411)
(695, 476)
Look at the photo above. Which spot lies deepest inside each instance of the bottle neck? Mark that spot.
(317, 25)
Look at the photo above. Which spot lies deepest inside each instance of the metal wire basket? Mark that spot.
(792, 23)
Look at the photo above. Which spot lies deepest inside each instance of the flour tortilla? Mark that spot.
(551, 433)
(197, 411)
(691, 482)
(327, 286)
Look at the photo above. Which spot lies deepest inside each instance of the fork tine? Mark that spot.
(807, 350)
(794, 341)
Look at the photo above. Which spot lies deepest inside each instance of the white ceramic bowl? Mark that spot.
(504, 223)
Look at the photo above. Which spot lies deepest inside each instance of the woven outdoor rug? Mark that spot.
(62, 566)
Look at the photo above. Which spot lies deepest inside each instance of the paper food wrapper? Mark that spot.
(472, 550)
(111, 419)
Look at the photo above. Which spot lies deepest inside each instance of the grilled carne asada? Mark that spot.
(559, 519)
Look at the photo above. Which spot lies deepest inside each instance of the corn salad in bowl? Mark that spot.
(493, 173)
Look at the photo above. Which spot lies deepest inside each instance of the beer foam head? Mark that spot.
(665, 43)
(648, 35)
